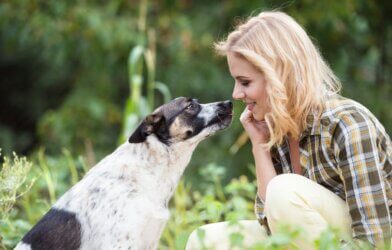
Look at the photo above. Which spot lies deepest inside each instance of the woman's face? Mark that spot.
(249, 85)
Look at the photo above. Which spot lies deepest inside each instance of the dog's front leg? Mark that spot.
(152, 230)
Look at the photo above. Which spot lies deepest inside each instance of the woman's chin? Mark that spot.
(258, 117)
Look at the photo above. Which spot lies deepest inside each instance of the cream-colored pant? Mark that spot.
(292, 200)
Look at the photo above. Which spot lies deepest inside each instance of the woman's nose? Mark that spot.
(237, 93)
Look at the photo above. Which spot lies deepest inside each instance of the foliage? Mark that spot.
(70, 74)
(14, 183)
(13, 177)
(70, 60)
(212, 203)
(137, 105)
(51, 178)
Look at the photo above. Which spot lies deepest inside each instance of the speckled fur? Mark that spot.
(122, 202)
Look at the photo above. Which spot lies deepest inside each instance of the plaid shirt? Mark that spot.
(347, 151)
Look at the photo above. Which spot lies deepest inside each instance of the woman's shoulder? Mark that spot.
(344, 115)
(337, 106)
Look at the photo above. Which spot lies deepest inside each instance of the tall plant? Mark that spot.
(14, 183)
(141, 75)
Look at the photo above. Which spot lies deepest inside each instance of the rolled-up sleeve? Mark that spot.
(357, 155)
(259, 211)
(259, 203)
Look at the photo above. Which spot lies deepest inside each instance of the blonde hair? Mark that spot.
(298, 79)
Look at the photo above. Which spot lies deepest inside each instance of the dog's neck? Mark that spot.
(162, 165)
(155, 153)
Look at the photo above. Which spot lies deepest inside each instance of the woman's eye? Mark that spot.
(245, 83)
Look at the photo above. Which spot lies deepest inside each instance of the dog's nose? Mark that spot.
(226, 104)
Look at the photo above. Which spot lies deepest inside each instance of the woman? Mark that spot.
(321, 160)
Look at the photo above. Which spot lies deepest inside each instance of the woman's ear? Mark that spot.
(148, 126)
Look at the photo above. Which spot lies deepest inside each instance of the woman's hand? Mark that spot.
(257, 130)
(258, 134)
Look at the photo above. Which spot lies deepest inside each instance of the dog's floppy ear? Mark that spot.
(149, 125)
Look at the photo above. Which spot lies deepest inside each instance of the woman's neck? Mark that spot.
(295, 155)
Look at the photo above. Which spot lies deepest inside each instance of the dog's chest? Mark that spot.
(122, 201)
(117, 210)
(136, 223)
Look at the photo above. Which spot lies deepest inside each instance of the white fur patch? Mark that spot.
(23, 246)
(208, 111)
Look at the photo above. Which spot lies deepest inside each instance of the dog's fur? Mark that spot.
(122, 202)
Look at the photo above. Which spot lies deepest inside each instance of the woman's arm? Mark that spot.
(258, 135)
(265, 170)
(358, 152)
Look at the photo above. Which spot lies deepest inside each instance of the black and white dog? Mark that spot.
(122, 202)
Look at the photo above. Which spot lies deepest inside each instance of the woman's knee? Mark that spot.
(281, 188)
(217, 235)
(209, 234)
(286, 196)
(194, 240)
(294, 199)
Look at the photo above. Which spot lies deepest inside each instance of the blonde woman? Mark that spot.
(321, 160)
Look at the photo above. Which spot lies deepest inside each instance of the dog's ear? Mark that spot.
(149, 125)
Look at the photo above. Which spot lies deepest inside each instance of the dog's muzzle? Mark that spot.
(224, 114)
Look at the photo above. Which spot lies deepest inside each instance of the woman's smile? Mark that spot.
(250, 105)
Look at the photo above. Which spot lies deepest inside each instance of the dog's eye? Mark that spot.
(190, 106)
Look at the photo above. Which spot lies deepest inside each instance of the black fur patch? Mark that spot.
(151, 124)
(58, 229)
(197, 124)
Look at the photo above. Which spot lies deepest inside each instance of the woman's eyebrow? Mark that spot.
(241, 78)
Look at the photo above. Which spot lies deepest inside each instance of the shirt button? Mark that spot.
(325, 122)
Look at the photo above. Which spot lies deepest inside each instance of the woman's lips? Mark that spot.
(250, 106)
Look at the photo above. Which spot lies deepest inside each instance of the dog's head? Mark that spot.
(184, 119)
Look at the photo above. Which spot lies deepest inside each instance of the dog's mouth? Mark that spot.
(223, 118)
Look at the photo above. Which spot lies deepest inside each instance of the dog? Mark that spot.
(122, 202)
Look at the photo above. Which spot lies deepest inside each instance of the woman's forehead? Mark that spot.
(239, 66)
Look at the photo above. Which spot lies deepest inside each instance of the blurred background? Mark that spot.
(64, 64)
(75, 76)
